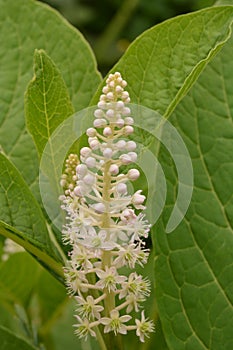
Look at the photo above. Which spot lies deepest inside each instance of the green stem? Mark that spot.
(100, 339)
(114, 28)
(43, 257)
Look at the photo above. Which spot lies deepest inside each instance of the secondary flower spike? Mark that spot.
(105, 224)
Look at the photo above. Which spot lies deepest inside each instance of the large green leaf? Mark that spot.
(21, 217)
(163, 62)
(194, 266)
(27, 25)
(18, 276)
(194, 263)
(47, 101)
(9, 341)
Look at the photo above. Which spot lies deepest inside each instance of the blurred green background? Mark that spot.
(111, 25)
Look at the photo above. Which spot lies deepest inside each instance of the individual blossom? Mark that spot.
(105, 226)
(144, 327)
(115, 322)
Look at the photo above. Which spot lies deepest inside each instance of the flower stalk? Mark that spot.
(105, 226)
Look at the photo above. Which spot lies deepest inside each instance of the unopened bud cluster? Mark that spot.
(104, 229)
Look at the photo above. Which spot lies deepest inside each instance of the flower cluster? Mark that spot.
(105, 226)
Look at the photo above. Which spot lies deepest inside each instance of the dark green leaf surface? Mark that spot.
(193, 263)
(163, 62)
(47, 101)
(21, 217)
(194, 267)
(10, 341)
(27, 25)
(18, 276)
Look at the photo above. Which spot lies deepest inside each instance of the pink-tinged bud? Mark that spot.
(128, 129)
(107, 131)
(85, 151)
(110, 96)
(105, 90)
(99, 123)
(128, 215)
(90, 162)
(118, 89)
(91, 132)
(133, 174)
(78, 191)
(120, 105)
(107, 153)
(126, 111)
(81, 169)
(63, 183)
(129, 121)
(133, 156)
(89, 179)
(110, 113)
(121, 144)
(120, 123)
(138, 198)
(114, 169)
(131, 146)
(101, 105)
(121, 188)
(94, 144)
(125, 159)
(98, 112)
(125, 95)
(99, 207)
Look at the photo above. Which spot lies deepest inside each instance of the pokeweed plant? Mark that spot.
(180, 69)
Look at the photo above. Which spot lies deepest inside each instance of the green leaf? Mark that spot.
(27, 25)
(47, 101)
(194, 265)
(163, 62)
(18, 277)
(22, 218)
(9, 341)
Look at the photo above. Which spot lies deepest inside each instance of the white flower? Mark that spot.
(115, 322)
(88, 308)
(83, 328)
(136, 285)
(98, 240)
(129, 255)
(80, 257)
(109, 278)
(144, 327)
(138, 199)
(74, 280)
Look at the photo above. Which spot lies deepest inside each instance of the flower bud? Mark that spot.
(107, 152)
(99, 123)
(90, 162)
(107, 131)
(131, 146)
(126, 159)
(133, 174)
(85, 151)
(89, 179)
(81, 169)
(121, 188)
(128, 129)
(114, 169)
(91, 132)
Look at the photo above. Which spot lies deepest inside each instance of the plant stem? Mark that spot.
(114, 28)
(100, 339)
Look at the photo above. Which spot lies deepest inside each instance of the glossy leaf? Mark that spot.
(47, 101)
(27, 25)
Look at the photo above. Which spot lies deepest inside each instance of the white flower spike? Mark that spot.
(105, 226)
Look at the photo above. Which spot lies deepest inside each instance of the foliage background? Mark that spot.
(111, 25)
